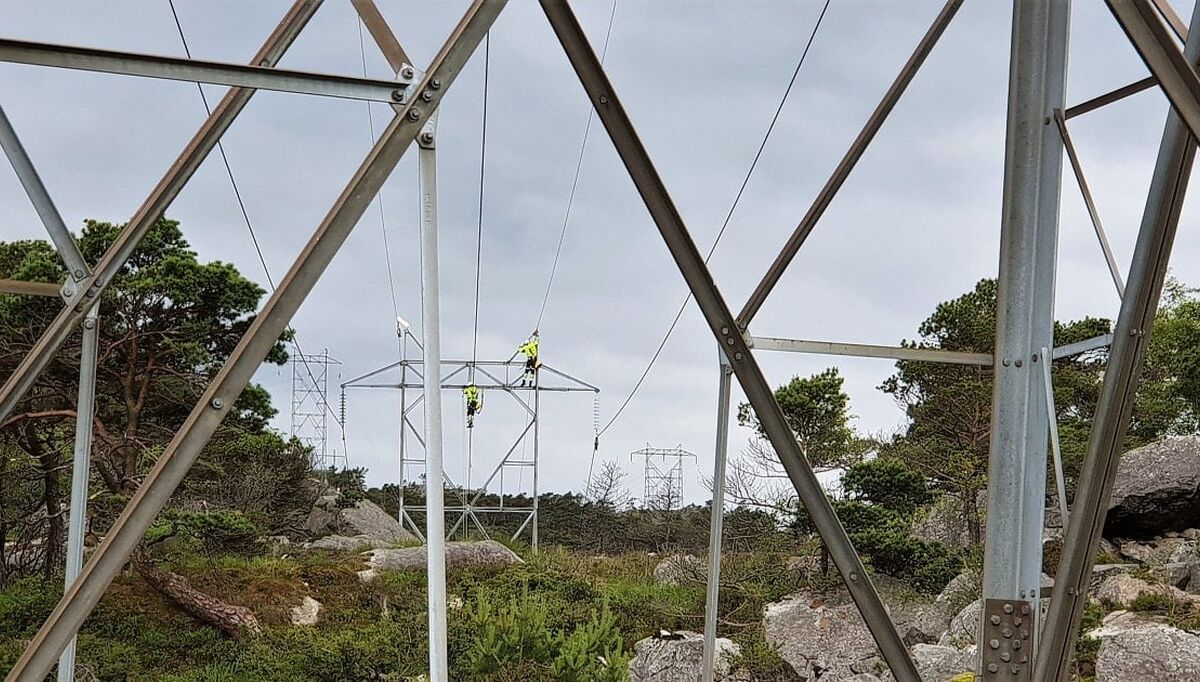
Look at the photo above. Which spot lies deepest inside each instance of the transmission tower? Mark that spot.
(663, 476)
(310, 406)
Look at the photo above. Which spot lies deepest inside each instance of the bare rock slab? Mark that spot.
(1157, 489)
(1152, 651)
(820, 639)
(678, 657)
(458, 555)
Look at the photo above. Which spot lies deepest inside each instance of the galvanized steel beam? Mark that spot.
(866, 350)
(258, 76)
(1024, 325)
(1157, 48)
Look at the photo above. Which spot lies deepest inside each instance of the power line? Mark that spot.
(575, 183)
(487, 42)
(725, 224)
(387, 252)
(246, 217)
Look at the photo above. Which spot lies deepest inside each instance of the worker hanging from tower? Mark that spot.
(532, 363)
(474, 397)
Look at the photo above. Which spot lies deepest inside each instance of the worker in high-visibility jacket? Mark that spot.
(532, 363)
(474, 398)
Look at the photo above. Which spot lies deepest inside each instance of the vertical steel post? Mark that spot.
(1131, 337)
(77, 521)
(537, 420)
(431, 367)
(716, 520)
(403, 417)
(1024, 324)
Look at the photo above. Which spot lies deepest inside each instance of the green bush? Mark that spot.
(888, 483)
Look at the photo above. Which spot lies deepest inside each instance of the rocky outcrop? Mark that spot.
(678, 569)
(1136, 649)
(1123, 590)
(820, 637)
(939, 663)
(458, 554)
(964, 626)
(364, 518)
(307, 612)
(943, 522)
(678, 657)
(341, 543)
(1157, 489)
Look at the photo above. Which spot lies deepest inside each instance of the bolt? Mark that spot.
(427, 137)
(78, 274)
(1005, 656)
(1019, 363)
(435, 84)
(68, 289)
(1016, 644)
(217, 403)
(1016, 669)
(407, 72)
(89, 324)
(603, 99)
(995, 643)
(414, 114)
(1004, 362)
(427, 96)
(1018, 621)
(854, 576)
(1008, 607)
(995, 620)
(729, 340)
(737, 356)
(398, 95)
(993, 668)
(724, 330)
(1007, 633)
(1024, 609)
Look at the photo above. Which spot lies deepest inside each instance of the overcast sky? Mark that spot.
(917, 222)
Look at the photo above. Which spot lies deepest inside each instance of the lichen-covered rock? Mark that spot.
(307, 612)
(341, 543)
(964, 626)
(943, 522)
(1122, 590)
(678, 569)
(678, 657)
(1162, 550)
(364, 518)
(458, 554)
(820, 637)
(1151, 651)
(1157, 489)
(939, 663)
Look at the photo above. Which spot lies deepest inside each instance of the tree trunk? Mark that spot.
(235, 621)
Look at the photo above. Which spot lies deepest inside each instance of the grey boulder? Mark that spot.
(678, 657)
(1157, 489)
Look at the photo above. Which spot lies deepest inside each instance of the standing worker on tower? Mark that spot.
(474, 398)
(530, 349)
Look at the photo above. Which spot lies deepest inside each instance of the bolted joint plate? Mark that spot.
(1008, 637)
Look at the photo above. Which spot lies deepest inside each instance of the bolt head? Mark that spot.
(427, 96)
(994, 643)
(414, 114)
(995, 620)
(436, 84)
(604, 99)
(397, 95)
(218, 403)
(1008, 607)
(1018, 363)
(992, 668)
(407, 72)
(89, 324)
(427, 137)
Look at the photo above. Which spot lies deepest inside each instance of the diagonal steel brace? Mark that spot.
(721, 320)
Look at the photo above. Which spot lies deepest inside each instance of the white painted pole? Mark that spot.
(435, 520)
(77, 522)
(717, 522)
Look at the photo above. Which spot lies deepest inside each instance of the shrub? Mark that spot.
(888, 483)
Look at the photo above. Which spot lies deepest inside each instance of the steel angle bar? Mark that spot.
(716, 522)
(1113, 269)
(197, 149)
(568, 377)
(1131, 337)
(64, 243)
(247, 357)
(1060, 482)
(378, 27)
(1110, 97)
(846, 165)
(20, 286)
(1081, 346)
(1157, 48)
(721, 320)
(865, 350)
(349, 383)
(1172, 18)
(260, 77)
